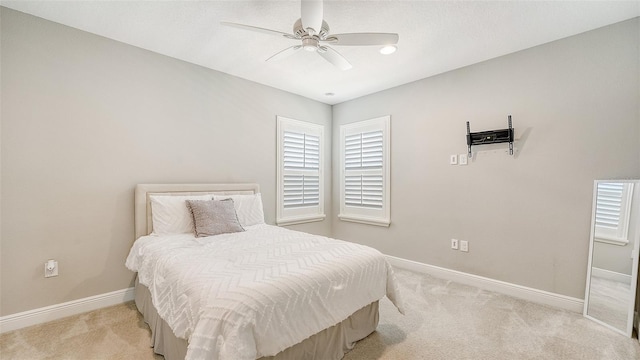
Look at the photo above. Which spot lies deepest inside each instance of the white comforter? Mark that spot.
(255, 293)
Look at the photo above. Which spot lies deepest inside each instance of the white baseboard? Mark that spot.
(518, 291)
(54, 312)
(611, 275)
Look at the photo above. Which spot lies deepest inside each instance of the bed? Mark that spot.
(263, 293)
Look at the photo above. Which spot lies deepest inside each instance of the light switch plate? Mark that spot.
(462, 159)
(453, 160)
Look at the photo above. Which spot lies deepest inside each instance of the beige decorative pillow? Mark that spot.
(213, 217)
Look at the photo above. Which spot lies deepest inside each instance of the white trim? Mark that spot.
(611, 275)
(299, 220)
(612, 241)
(365, 220)
(518, 291)
(592, 236)
(58, 311)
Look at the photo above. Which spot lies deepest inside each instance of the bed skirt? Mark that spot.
(331, 343)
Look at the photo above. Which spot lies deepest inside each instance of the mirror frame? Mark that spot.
(634, 270)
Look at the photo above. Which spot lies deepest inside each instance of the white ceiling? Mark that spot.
(435, 36)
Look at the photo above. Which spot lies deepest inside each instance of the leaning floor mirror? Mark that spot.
(612, 273)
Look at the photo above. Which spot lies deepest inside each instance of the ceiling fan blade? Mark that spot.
(284, 53)
(311, 15)
(257, 29)
(334, 57)
(362, 39)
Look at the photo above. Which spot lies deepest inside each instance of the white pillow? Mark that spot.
(170, 214)
(248, 208)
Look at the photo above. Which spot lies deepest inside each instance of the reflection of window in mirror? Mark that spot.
(613, 208)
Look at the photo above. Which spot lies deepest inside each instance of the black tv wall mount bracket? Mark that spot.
(490, 137)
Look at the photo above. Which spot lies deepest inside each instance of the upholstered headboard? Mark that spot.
(142, 211)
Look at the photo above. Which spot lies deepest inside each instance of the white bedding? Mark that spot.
(255, 293)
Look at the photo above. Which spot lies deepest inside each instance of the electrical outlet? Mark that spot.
(50, 268)
(454, 244)
(462, 159)
(464, 245)
(453, 159)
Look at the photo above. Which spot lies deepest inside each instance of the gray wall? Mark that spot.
(85, 119)
(527, 218)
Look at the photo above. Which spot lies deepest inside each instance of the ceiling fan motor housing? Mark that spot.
(300, 32)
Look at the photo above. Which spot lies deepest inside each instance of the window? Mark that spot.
(613, 208)
(300, 172)
(364, 172)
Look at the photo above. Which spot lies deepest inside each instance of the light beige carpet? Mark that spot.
(443, 320)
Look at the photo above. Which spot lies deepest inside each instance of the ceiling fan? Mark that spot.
(313, 33)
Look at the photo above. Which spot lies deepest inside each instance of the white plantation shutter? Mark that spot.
(364, 191)
(301, 151)
(609, 205)
(364, 172)
(612, 211)
(301, 190)
(302, 166)
(300, 185)
(364, 151)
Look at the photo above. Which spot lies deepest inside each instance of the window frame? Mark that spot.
(301, 214)
(365, 215)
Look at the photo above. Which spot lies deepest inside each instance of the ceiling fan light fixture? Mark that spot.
(389, 49)
(310, 44)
